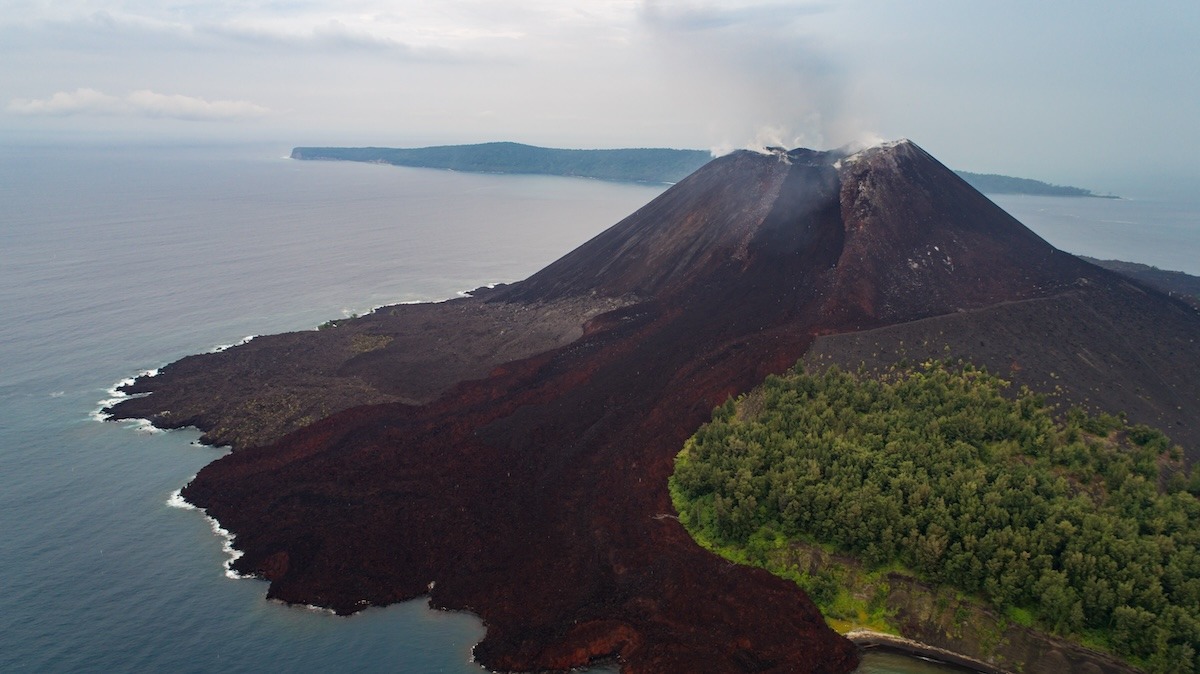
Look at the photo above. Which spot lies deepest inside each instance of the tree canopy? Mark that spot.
(1086, 523)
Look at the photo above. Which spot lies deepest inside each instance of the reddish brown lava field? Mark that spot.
(528, 486)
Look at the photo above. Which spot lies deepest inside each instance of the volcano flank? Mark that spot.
(508, 453)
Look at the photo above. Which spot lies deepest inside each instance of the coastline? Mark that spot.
(538, 431)
(939, 625)
(232, 554)
(872, 640)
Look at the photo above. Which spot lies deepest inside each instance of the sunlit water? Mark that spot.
(112, 262)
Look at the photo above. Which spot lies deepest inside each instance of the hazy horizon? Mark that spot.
(1094, 98)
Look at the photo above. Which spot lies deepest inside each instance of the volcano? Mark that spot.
(508, 453)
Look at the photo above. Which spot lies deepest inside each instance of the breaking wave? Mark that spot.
(176, 500)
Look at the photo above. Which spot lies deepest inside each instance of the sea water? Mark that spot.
(1160, 232)
(117, 261)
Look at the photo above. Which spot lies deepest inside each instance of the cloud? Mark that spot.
(142, 103)
(691, 16)
(267, 30)
(176, 106)
(64, 103)
(333, 36)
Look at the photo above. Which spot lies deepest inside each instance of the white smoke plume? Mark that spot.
(758, 71)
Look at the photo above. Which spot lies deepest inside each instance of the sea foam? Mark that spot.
(176, 500)
(116, 395)
(223, 347)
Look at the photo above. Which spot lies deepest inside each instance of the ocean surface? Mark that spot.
(116, 261)
(1164, 234)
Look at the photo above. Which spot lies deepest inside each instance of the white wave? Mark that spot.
(223, 347)
(116, 395)
(398, 303)
(176, 500)
(143, 426)
(115, 390)
(459, 293)
(57, 394)
(467, 293)
(317, 609)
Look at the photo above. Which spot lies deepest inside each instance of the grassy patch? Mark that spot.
(362, 343)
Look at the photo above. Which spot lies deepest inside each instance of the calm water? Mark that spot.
(1165, 234)
(112, 262)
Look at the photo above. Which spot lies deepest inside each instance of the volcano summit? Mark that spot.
(508, 453)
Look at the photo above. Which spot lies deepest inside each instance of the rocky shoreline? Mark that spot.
(254, 393)
(508, 454)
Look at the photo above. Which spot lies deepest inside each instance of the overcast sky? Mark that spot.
(1100, 94)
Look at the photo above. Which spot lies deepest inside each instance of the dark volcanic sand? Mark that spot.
(532, 492)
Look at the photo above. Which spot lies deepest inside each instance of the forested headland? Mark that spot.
(991, 183)
(1080, 526)
(653, 165)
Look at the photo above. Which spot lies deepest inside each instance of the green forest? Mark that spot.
(991, 183)
(1082, 526)
(652, 165)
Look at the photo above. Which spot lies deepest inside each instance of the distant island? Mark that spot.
(990, 183)
(647, 165)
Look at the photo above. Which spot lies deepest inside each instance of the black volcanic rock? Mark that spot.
(533, 492)
(920, 241)
(1112, 348)
(256, 392)
(884, 235)
(1174, 283)
(737, 206)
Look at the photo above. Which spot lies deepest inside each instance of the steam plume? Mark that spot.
(756, 70)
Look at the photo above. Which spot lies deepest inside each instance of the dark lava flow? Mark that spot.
(536, 497)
